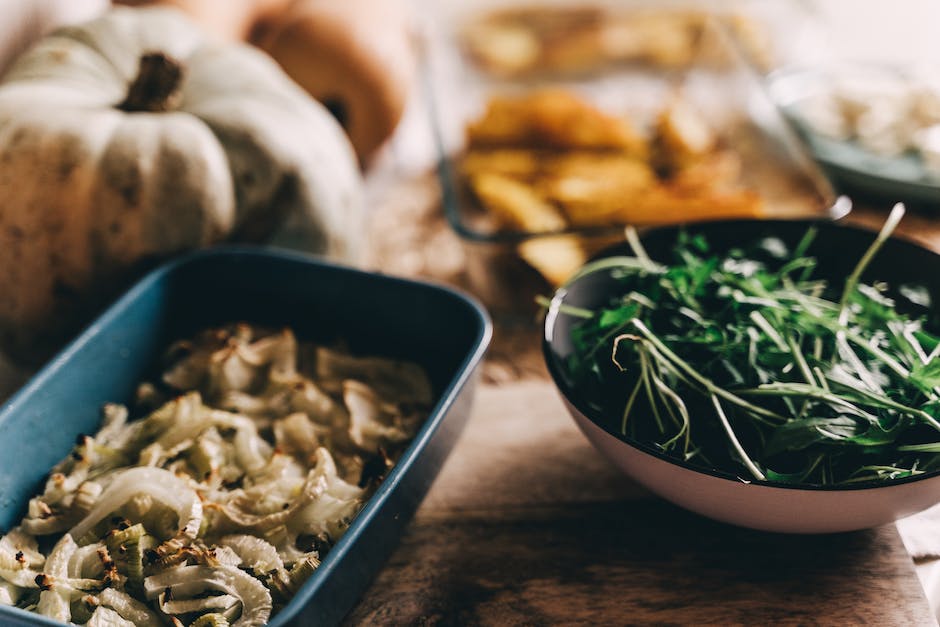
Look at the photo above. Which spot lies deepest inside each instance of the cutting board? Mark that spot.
(526, 524)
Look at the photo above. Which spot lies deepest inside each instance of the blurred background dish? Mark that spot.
(528, 40)
(875, 129)
(544, 159)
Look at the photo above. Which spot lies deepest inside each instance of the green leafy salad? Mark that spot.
(748, 364)
(249, 458)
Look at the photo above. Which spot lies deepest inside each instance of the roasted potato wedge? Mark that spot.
(549, 161)
(556, 257)
(516, 205)
(592, 188)
(516, 163)
(553, 119)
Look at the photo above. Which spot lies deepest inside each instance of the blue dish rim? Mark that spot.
(576, 402)
(446, 398)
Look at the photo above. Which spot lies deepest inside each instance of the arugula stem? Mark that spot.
(809, 471)
(751, 466)
(801, 389)
(571, 310)
(897, 212)
(800, 360)
(889, 361)
(649, 393)
(846, 352)
(805, 242)
(614, 263)
(629, 406)
(703, 381)
(633, 238)
(768, 330)
(934, 353)
(679, 404)
(932, 447)
(908, 335)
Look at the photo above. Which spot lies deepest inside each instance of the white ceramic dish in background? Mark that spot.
(720, 495)
(852, 167)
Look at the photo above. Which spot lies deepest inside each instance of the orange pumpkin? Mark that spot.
(355, 56)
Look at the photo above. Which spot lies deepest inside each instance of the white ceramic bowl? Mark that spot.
(767, 506)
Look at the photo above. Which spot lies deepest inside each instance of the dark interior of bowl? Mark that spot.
(837, 248)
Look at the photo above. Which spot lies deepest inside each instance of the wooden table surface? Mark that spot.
(527, 524)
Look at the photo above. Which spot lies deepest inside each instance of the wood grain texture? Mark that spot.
(637, 562)
(526, 525)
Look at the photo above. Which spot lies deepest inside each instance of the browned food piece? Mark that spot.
(520, 40)
(515, 163)
(666, 205)
(668, 39)
(577, 53)
(556, 119)
(592, 188)
(682, 135)
(531, 40)
(716, 170)
(754, 40)
(516, 204)
(502, 48)
(505, 123)
(555, 257)
(548, 161)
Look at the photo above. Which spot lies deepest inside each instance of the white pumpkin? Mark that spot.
(132, 137)
(25, 21)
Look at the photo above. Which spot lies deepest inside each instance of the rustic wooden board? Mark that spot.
(527, 525)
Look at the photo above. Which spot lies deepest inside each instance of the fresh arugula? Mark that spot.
(748, 364)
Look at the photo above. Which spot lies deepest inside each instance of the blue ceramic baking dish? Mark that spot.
(441, 329)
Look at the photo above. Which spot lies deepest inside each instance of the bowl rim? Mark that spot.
(577, 403)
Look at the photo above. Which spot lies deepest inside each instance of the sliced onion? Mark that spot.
(106, 617)
(161, 485)
(129, 608)
(86, 561)
(244, 520)
(16, 541)
(17, 574)
(188, 581)
(188, 606)
(9, 593)
(255, 553)
(54, 602)
(367, 429)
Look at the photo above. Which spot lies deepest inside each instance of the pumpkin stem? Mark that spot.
(156, 87)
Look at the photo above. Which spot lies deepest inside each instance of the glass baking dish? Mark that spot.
(724, 86)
